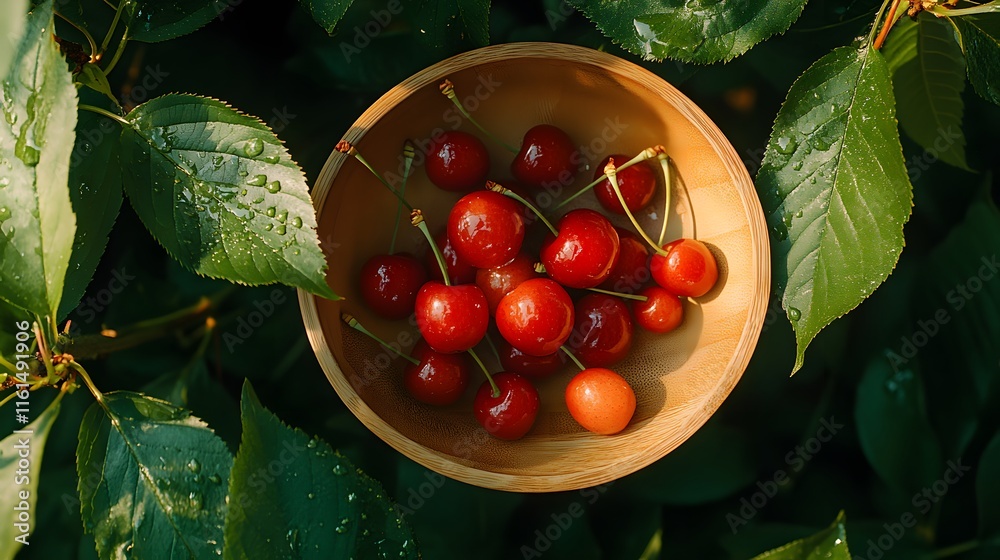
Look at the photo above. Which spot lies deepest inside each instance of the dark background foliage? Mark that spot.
(902, 424)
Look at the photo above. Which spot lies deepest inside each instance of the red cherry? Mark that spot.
(512, 359)
(600, 400)
(498, 281)
(459, 271)
(547, 157)
(510, 414)
(389, 284)
(602, 335)
(631, 270)
(584, 252)
(451, 318)
(687, 270)
(662, 311)
(440, 379)
(486, 229)
(536, 317)
(457, 161)
(637, 183)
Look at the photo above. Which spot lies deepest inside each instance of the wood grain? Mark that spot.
(607, 105)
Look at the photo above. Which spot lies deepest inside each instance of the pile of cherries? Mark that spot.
(482, 267)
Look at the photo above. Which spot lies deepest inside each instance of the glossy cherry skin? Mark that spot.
(631, 269)
(440, 379)
(459, 271)
(389, 284)
(536, 317)
(511, 414)
(498, 281)
(688, 269)
(517, 361)
(486, 229)
(584, 252)
(451, 318)
(600, 400)
(457, 161)
(547, 157)
(602, 334)
(662, 311)
(637, 183)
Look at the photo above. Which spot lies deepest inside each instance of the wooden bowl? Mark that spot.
(607, 105)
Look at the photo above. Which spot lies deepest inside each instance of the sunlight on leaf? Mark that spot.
(828, 544)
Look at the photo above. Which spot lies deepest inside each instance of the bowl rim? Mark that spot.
(601, 474)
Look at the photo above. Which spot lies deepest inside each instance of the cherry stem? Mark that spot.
(635, 297)
(576, 360)
(648, 153)
(493, 347)
(354, 324)
(448, 89)
(482, 366)
(408, 154)
(417, 219)
(345, 147)
(889, 21)
(611, 172)
(496, 187)
(667, 187)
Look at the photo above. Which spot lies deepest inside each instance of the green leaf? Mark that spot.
(988, 489)
(835, 190)
(219, 191)
(893, 430)
(327, 13)
(20, 481)
(93, 77)
(928, 76)
(95, 189)
(152, 21)
(153, 479)
(828, 544)
(981, 41)
(702, 31)
(440, 21)
(38, 101)
(193, 388)
(11, 25)
(290, 494)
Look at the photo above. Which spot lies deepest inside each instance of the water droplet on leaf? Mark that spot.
(254, 147)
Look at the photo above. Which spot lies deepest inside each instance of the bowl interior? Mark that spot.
(607, 105)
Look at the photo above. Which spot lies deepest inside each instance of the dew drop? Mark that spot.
(281, 229)
(270, 159)
(282, 216)
(273, 187)
(787, 145)
(271, 212)
(797, 166)
(794, 314)
(194, 466)
(257, 180)
(243, 192)
(798, 214)
(311, 445)
(215, 479)
(254, 147)
(297, 221)
(4, 182)
(258, 200)
(339, 470)
(268, 227)
(310, 495)
(341, 529)
(4, 213)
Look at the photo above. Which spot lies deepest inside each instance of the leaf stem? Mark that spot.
(448, 89)
(98, 395)
(8, 398)
(118, 53)
(482, 366)
(944, 11)
(889, 21)
(417, 219)
(103, 112)
(354, 324)
(878, 18)
(82, 30)
(573, 357)
(612, 174)
(43, 347)
(495, 187)
(95, 345)
(408, 154)
(114, 25)
(641, 156)
(667, 187)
